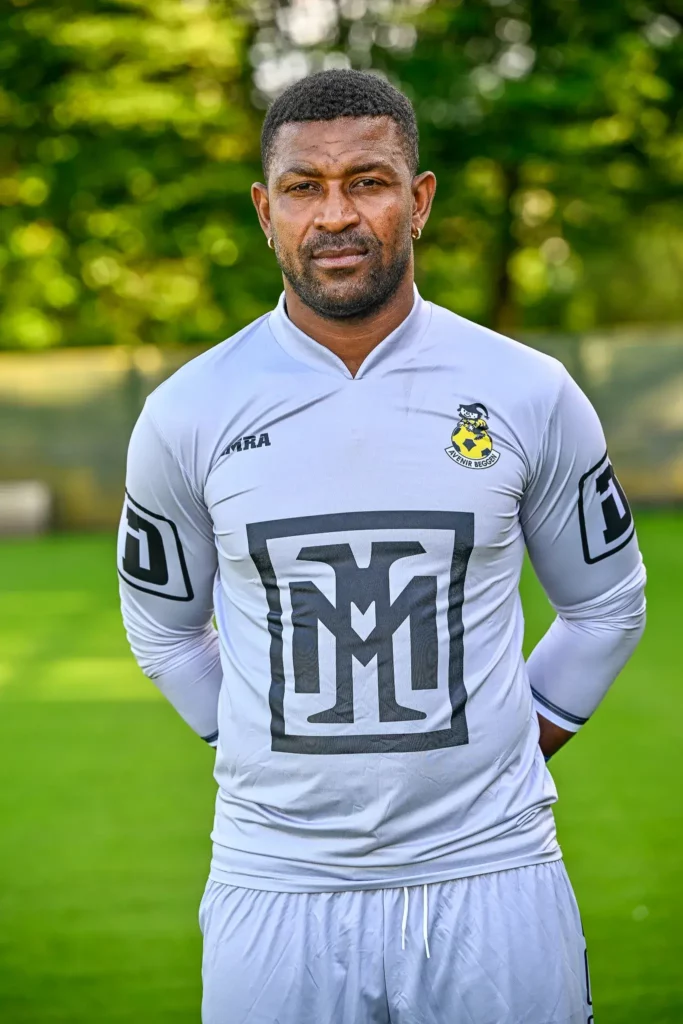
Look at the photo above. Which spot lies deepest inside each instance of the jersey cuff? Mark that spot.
(556, 715)
(211, 739)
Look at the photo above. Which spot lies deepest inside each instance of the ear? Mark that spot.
(259, 197)
(423, 188)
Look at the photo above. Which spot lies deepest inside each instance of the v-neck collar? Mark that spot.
(307, 350)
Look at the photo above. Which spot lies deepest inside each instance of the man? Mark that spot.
(384, 845)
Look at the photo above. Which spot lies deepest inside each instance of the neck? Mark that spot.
(352, 340)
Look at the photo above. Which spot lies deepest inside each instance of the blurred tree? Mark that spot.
(128, 149)
(555, 131)
(129, 139)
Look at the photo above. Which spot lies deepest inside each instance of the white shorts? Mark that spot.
(502, 948)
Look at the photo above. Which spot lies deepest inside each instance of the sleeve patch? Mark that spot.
(150, 555)
(604, 514)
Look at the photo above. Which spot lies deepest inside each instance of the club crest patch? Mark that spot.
(472, 445)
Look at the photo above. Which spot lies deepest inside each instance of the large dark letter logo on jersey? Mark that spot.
(150, 555)
(604, 514)
(365, 619)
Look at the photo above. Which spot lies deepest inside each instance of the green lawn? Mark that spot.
(106, 803)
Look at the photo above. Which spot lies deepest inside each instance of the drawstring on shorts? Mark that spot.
(405, 918)
(425, 918)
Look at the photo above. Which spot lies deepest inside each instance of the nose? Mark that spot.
(336, 210)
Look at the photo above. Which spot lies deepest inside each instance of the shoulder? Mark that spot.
(191, 408)
(518, 387)
(509, 365)
(190, 394)
(208, 370)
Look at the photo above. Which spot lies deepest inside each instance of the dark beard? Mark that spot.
(377, 287)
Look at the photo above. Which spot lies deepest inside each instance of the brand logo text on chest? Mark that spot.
(243, 444)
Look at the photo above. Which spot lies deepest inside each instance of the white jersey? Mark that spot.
(360, 541)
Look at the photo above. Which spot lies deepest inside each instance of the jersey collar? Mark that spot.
(403, 340)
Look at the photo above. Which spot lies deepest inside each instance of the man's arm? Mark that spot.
(580, 537)
(167, 566)
(551, 737)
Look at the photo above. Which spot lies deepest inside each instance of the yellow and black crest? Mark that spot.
(472, 445)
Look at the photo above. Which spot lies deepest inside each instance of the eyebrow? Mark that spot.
(307, 171)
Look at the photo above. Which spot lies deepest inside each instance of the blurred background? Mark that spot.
(129, 138)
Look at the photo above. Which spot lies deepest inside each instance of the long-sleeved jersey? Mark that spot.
(360, 541)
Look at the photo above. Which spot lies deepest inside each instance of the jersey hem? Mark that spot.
(407, 879)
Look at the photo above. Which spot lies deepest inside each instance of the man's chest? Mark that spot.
(366, 488)
(366, 447)
(347, 526)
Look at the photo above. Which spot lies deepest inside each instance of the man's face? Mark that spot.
(341, 206)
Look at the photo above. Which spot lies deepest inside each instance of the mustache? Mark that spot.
(334, 242)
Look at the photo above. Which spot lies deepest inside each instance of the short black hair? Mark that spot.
(327, 95)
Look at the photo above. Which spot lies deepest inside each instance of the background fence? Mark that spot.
(65, 419)
(66, 415)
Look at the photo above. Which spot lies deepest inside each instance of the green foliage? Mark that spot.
(129, 139)
(125, 167)
(557, 126)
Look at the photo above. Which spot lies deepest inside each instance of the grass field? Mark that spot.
(106, 803)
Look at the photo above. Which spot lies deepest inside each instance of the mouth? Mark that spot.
(333, 259)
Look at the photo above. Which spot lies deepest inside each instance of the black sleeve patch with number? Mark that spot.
(604, 514)
(150, 555)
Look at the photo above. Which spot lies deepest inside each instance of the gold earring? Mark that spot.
(418, 235)
(271, 243)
